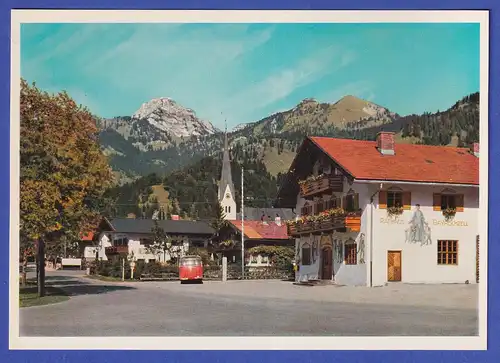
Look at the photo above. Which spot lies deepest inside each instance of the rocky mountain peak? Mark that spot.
(168, 116)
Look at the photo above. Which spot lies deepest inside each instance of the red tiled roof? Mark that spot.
(413, 163)
(87, 237)
(258, 230)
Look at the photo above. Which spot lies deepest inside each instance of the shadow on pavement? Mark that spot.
(70, 286)
(59, 278)
(62, 282)
(91, 289)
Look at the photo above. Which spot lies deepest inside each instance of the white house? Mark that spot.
(133, 238)
(379, 212)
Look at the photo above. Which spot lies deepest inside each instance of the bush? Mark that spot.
(280, 256)
(205, 256)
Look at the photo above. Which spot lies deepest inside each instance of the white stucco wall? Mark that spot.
(419, 262)
(228, 205)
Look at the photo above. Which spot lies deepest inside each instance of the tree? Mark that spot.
(218, 222)
(63, 170)
(161, 242)
(193, 212)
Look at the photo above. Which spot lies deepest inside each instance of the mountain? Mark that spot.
(158, 124)
(148, 141)
(163, 136)
(312, 116)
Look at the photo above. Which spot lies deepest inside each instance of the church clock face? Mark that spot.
(228, 195)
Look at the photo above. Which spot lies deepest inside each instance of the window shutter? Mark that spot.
(382, 199)
(436, 202)
(459, 202)
(356, 201)
(406, 200)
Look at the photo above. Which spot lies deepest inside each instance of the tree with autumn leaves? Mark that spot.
(63, 172)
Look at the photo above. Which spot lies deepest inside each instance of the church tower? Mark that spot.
(226, 193)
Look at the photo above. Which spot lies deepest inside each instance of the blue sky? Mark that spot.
(244, 72)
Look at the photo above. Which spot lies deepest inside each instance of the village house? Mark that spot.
(256, 233)
(126, 237)
(373, 212)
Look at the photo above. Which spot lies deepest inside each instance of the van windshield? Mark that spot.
(190, 261)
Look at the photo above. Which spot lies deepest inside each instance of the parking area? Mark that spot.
(252, 308)
(459, 296)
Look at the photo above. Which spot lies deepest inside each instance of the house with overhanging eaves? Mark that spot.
(375, 212)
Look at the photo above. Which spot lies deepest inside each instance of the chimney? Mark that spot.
(385, 142)
(475, 149)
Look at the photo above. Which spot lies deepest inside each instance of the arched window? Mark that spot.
(229, 209)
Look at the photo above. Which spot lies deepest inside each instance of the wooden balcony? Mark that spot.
(116, 250)
(351, 223)
(322, 185)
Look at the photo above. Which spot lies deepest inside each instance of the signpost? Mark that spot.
(132, 267)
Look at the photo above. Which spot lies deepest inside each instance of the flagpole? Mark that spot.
(242, 228)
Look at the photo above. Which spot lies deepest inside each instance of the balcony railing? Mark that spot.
(326, 222)
(320, 185)
(116, 250)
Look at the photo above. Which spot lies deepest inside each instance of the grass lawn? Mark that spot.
(28, 296)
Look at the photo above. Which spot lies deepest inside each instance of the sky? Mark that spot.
(245, 72)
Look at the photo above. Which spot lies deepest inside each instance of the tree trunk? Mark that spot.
(41, 268)
(23, 275)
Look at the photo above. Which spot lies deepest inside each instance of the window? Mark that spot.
(351, 201)
(306, 255)
(253, 259)
(319, 206)
(332, 203)
(350, 254)
(306, 209)
(447, 252)
(121, 241)
(448, 201)
(394, 199)
(229, 209)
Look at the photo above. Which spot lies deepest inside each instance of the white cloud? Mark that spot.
(283, 83)
(175, 52)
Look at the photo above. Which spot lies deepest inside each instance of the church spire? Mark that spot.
(226, 178)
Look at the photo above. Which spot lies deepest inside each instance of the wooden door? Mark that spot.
(326, 264)
(394, 266)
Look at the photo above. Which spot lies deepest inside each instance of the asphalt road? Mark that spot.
(250, 308)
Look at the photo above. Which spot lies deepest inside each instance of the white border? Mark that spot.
(247, 343)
